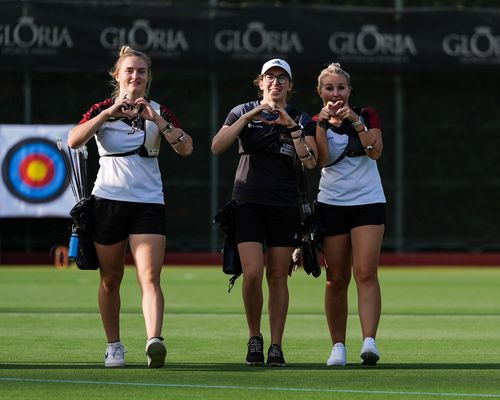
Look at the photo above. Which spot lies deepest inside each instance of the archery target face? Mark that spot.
(33, 170)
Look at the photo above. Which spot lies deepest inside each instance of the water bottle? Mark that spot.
(73, 246)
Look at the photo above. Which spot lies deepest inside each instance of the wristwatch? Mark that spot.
(297, 127)
(167, 128)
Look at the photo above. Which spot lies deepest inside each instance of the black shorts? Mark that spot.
(338, 220)
(273, 226)
(113, 220)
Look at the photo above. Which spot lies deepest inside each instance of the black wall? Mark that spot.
(450, 190)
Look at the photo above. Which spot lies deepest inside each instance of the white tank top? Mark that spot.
(352, 181)
(129, 178)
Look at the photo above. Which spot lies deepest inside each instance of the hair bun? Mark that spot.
(125, 49)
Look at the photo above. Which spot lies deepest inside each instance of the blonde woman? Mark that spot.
(351, 204)
(128, 206)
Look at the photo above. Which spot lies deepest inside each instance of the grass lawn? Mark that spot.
(439, 337)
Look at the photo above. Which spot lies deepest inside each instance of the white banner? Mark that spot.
(34, 178)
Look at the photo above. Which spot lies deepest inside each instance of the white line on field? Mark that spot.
(276, 389)
(229, 314)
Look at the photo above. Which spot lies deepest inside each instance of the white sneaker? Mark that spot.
(156, 352)
(338, 355)
(115, 355)
(369, 352)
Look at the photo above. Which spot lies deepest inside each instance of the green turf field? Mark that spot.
(439, 337)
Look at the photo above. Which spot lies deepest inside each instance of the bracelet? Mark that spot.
(357, 123)
(310, 153)
(167, 128)
(179, 139)
(365, 129)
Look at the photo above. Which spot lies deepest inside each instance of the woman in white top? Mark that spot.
(351, 205)
(128, 205)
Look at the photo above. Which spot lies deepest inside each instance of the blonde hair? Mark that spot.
(127, 51)
(333, 69)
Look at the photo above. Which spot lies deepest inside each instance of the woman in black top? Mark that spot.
(274, 139)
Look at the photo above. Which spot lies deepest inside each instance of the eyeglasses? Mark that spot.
(281, 78)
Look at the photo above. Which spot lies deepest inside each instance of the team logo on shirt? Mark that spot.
(33, 170)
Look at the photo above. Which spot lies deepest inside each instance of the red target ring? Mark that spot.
(36, 170)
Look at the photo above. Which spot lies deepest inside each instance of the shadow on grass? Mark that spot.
(320, 366)
(239, 367)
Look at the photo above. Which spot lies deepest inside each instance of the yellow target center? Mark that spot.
(37, 170)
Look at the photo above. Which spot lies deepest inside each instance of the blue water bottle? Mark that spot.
(73, 245)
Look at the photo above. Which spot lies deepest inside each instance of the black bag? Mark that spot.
(310, 260)
(225, 218)
(86, 256)
(231, 263)
(312, 237)
(82, 214)
(310, 232)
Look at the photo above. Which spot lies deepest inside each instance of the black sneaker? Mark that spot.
(275, 356)
(255, 354)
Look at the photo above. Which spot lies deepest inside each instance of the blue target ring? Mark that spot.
(34, 171)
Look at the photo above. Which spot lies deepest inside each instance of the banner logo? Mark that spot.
(481, 46)
(142, 36)
(257, 40)
(26, 37)
(372, 44)
(33, 170)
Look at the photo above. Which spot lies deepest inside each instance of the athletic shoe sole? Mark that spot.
(255, 363)
(156, 353)
(369, 358)
(335, 364)
(276, 364)
(113, 365)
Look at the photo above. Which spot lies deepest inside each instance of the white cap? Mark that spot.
(277, 62)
